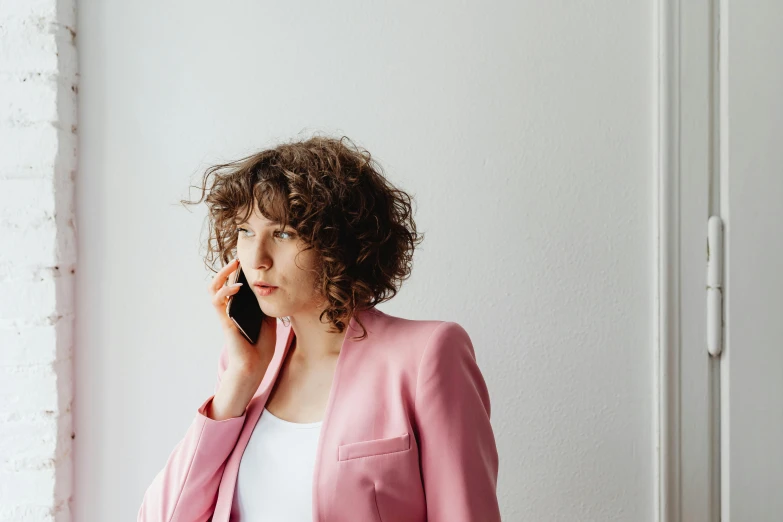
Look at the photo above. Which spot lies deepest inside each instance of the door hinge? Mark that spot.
(714, 286)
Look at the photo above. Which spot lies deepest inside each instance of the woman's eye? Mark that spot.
(284, 232)
(289, 235)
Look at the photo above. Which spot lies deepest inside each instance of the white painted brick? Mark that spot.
(34, 100)
(38, 82)
(28, 486)
(41, 513)
(34, 146)
(11, 12)
(27, 345)
(26, 202)
(28, 441)
(29, 248)
(27, 389)
(29, 45)
(27, 299)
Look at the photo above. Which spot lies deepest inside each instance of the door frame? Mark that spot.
(687, 414)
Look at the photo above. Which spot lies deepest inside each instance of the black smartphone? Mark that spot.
(243, 308)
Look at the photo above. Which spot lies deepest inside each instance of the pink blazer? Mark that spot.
(406, 435)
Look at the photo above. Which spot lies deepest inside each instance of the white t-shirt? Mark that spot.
(275, 480)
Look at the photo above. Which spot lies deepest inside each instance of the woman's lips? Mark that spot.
(265, 290)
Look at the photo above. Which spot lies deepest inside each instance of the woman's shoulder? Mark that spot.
(420, 335)
(394, 325)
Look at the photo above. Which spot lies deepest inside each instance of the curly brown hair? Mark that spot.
(336, 197)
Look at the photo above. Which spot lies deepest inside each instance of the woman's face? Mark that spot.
(270, 254)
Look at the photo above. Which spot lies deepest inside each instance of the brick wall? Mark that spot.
(38, 83)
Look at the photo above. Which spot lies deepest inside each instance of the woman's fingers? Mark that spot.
(220, 278)
(219, 299)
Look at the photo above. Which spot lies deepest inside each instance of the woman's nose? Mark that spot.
(261, 256)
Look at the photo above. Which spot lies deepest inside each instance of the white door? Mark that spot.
(751, 184)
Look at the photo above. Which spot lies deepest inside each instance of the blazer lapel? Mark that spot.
(254, 409)
(285, 335)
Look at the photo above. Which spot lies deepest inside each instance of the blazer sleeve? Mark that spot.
(185, 490)
(458, 453)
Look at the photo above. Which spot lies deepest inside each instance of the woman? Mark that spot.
(314, 423)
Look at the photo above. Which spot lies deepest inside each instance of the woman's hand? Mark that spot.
(247, 363)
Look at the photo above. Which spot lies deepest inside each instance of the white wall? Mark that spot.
(526, 132)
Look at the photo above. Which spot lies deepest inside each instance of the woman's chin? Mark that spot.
(271, 310)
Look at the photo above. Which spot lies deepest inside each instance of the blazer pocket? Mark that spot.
(369, 448)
